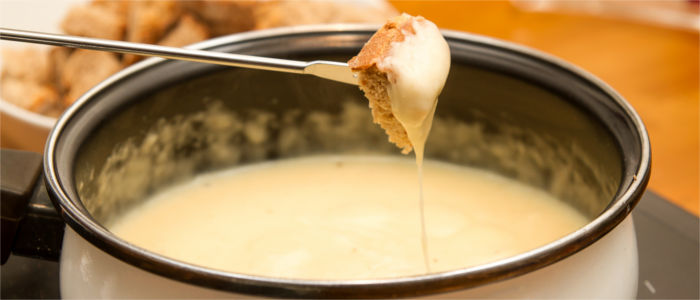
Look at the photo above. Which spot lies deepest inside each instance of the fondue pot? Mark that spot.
(505, 108)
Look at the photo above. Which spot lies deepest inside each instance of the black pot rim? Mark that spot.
(80, 221)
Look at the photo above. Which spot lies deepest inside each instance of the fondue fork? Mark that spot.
(325, 69)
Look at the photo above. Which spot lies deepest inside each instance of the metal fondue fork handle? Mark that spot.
(325, 69)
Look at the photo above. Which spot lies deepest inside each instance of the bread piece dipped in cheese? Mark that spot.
(402, 70)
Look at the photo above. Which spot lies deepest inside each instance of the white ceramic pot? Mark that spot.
(607, 269)
(553, 126)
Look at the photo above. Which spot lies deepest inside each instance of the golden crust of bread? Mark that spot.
(94, 21)
(84, 69)
(26, 64)
(29, 94)
(378, 46)
(276, 13)
(373, 81)
(187, 31)
(223, 16)
(148, 21)
(58, 56)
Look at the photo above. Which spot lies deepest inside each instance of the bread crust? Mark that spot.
(374, 81)
(379, 45)
(187, 31)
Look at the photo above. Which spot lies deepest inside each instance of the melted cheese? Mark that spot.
(344, 217)
(417, 69)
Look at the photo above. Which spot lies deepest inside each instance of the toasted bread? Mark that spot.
(187, 31)
(94, 21)
(374, 82)
(84, 69)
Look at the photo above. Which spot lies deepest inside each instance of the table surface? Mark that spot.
(653, 66)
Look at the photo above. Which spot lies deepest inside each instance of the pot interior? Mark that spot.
(501, 110)
(225, 117)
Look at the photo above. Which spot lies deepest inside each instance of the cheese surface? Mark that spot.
(345, 217)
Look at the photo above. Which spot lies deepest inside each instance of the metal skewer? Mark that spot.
(325, 69)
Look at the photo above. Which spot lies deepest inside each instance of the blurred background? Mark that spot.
(646, 50)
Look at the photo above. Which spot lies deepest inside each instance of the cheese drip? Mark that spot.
(417, 68)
